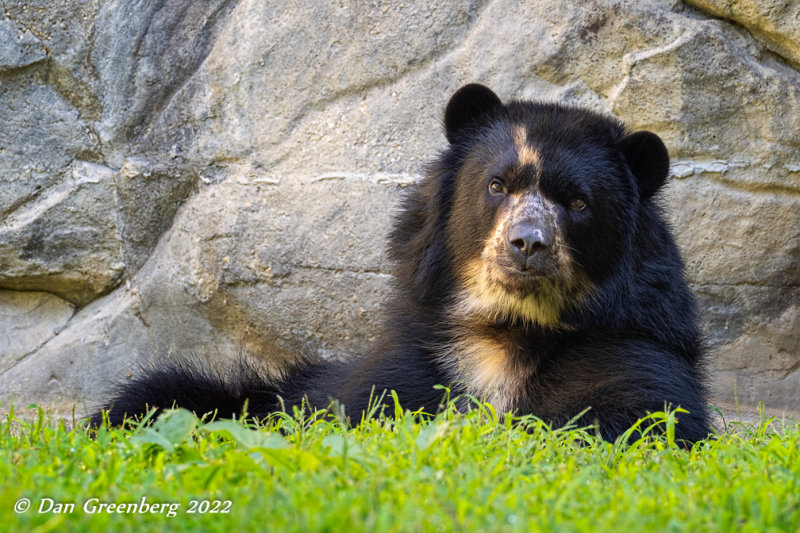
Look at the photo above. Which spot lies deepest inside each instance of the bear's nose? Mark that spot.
(527, 238)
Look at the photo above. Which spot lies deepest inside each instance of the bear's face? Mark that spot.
(543, 208)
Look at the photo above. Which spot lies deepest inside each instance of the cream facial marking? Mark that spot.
(485, 298)
(526, 154)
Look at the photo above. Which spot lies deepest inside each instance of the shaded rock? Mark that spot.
(65, 241)
(148, 196)
(243, 277)
(762, 366)
(41, 136)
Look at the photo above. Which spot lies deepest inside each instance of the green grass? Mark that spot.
(453, 472)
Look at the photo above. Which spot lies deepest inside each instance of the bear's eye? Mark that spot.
(577, 205)
(496, 187)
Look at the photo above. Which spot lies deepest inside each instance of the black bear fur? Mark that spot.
(533, 269)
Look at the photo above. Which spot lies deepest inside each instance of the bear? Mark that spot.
(534, 270)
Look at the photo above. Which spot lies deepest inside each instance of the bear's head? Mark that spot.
(532, 207)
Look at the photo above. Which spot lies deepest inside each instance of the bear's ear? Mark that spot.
(648, 159)
(467, 107)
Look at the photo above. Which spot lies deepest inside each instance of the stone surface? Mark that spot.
(105, 338)
(774, 23)
(66, 239)
(267, 280)
(211, 178)
(18, 48)
(767, 355)
(29, 319)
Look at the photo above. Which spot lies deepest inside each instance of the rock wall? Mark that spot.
(215, 177)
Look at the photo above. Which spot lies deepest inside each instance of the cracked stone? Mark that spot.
(27, 321)
(66, 240)
(776, 23)
(18, 48)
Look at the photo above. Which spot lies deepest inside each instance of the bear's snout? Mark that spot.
(530, 243)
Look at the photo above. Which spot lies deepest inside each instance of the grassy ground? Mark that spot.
(453, 472)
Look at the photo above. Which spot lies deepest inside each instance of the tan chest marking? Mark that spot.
(488, 371)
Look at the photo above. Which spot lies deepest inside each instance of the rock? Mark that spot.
(776, 24)
(742, 250)
(18, 49)
(41, 136)
(247, 274)
(244, 277)
(218, 177)
(29, 320)
(762, 366)
(148, 195)
(731, 236)
(100, 345)
(66, 240)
